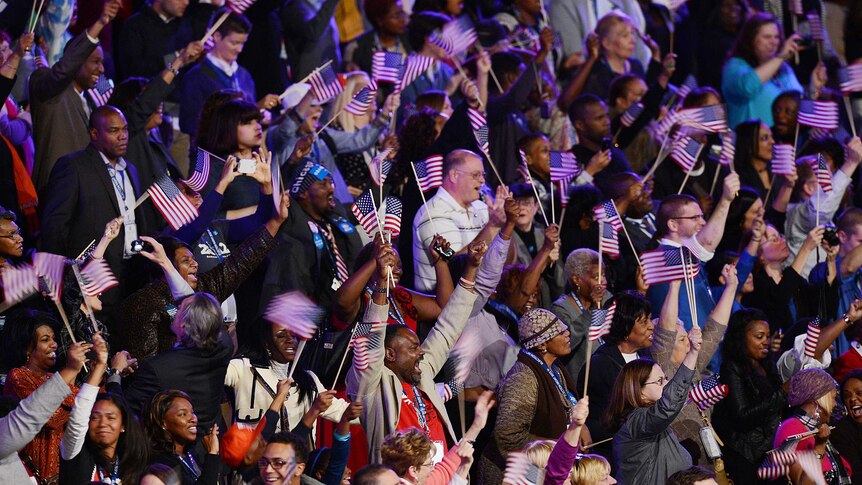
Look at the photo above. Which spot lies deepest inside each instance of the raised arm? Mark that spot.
(533, 275)
(79, 417)
(9, 69)
(566, 450)
(428, 307)
(711, 233)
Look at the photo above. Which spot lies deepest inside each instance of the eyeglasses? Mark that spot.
(13, 235)
(660, 381)
(429, 464)
(477, 175)
(693, 218)
(276, 463)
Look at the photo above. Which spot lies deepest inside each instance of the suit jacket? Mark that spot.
(79, 200)
(59, 118)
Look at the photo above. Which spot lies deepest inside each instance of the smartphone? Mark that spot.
(606, 144)
(246, 165)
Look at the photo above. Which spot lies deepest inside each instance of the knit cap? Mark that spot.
(537, 326)
(306, 175)
(809, 385)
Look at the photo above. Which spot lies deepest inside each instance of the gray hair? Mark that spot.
(6, 214)
(202, 322)
(579, 262)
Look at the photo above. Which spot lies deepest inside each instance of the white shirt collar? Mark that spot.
(121, 162)
(229, 69)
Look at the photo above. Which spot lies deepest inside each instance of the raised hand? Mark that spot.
(730, 187)
(191, 51)
(210, 441)
(112, 228)
(323, 401)
(731, 280)
(695, 338)
(475, 251)
(263, 168)
(437, 241)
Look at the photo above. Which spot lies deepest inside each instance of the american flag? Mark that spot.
(96, 277)
(363, 209)
(607, 212)
(324, 83)
(708, 392)
(820, 114)
(521, 471)
(685, 152)
(812, 336)
(564, 192)
(458, 36)
(709, 118)
(414, 67)
(171, 203)
(600, 321)
(449, 389)
(387, 66)
(392, 217)
(239, 6)
(609, 241)
(363, 100)
(564, 166)
(466, 350)
(665, 264)
(101, 92)
(201, 175)
(783, 159)
(380, 167)
(850, 78)
(728, 148)
(49, 267)
(815, 26)
(777, 462)
(631, 115)
(295, 312)
(795, 7)
(812, 466)
(19, 282)
(429, 172)
(687, 86)
(367, 338)
(666, 123)
(821, 169)
(479, 124)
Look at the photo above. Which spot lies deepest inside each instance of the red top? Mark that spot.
(404, 301)
(409, 417)
(794, 426)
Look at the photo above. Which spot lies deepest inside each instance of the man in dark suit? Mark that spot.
(58, 97)
(89, 188)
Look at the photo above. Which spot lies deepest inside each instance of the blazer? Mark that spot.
(59, 118)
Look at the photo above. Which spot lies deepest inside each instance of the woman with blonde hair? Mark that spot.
(539, 451)
(591, 470)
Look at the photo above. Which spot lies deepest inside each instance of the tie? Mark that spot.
(340, 265)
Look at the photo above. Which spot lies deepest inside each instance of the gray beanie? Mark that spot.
(809, 385)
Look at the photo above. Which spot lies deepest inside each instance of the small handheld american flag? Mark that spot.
(429, 172)
(465, 352)
(818, 114)
(458, 36)
(850, 78)
(380, 166)
(201, 174)
(101, 92)
(812, 336)
(777, 462)
(19, 282)
(521, 471)
(607, 212)
(363, 100)
(387, 66)
(392, 216)
(171, 203)
(564, 192)
(50, 267)
(479, 124)
(708, 392)
(564, 166)
(295, 312)
(783, 159)
(367, 342)
(728, 148)
(239, 6)
(414, 67)
(631, 115)
(685, 152)
(96, 277)
(600, 321)
(821, 170)
(795, 7)
(708, 118)
(665, 264)
(363, 209)
(815, 26)
(609, 242)
(324, 83)
(687, 86)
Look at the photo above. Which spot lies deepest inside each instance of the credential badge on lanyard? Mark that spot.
(315, 232)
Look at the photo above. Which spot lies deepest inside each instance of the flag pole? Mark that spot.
(336, 115)
(376, 216)
(35, 19)
(688, 288)
(769, 191)
(141, 200)
(535, 192)
(299, 349)
(688, 172)
(424, 202)
(849, 114)
(658, 158)
(714, 179)
(86, 249)
(626, 232)
(215, 26)
(464, 75)
(90, 313)
(553, 210)
(344, 357)
(284, 93)
(795, 24)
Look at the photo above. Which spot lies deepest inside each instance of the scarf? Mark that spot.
(551, 418)
(27, 198)
(838, 474)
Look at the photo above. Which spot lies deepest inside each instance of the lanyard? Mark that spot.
(555, 376)
(114, 478)
(191, 465)
(394, 311)
(120, 186)
(213, 244)
(578, 302)
(420, 409)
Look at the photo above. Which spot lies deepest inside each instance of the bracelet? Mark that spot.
(846, 319)
(466, 282)
(381, 290)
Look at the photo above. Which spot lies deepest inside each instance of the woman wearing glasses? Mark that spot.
(644, 402)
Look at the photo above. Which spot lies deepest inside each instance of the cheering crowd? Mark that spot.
(381, 242)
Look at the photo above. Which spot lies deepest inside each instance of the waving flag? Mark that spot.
(392, 216)
(363, 209)
(295, 312)
(689, 85)
(607, 212)
(667, 122)
(564, 166)
(414, 67)
(708, 118)
(819, 114)
(812, 466)
(367, 339)
(728, 148)
(665, 264)
(49, 267)
(600, 321)
(449, 389)
(19, 282)
(815, 26)
(324, 83)
(564, 192)
(171, 203)
(521, 471)
(458, 36)
(380, 167)
(239, 6)
(708, 392)
(631, 115)
(609, 241)
(429, 172)
(101, 92)
(821, 169)
(363, 100)
(783, 159)
(812, 336)
(387, 66)
(464, 354)
(850, 78)
(201, 174)
(479, 124)
(795, 7)
(97, 278)
(685, 152)
(777, 462)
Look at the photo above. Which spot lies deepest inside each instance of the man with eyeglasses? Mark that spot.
(682, 223)
(457, 213)
(283, 461)
(11, 240)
